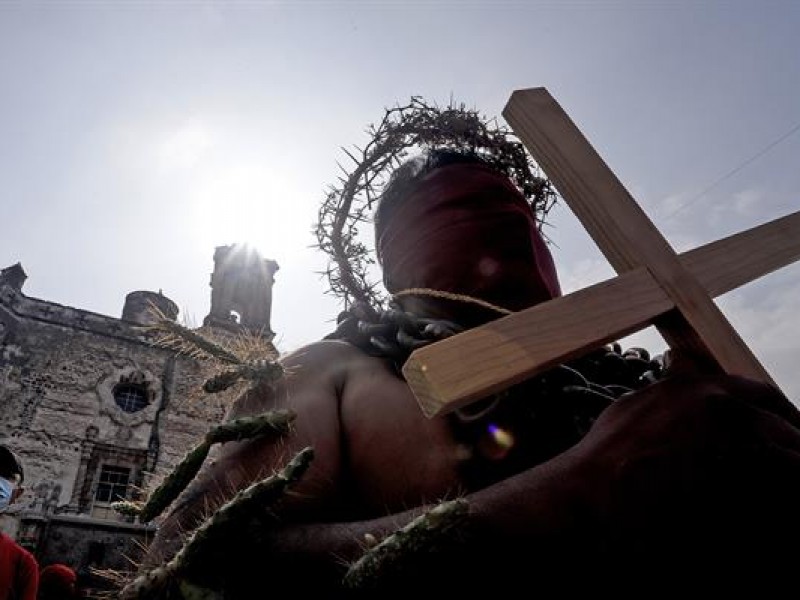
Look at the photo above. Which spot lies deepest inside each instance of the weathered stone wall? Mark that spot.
(87, 544)
(59, 367)
(63, 371)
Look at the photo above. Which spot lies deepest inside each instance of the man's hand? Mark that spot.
(695, 472)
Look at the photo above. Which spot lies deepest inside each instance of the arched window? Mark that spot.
(130, 397)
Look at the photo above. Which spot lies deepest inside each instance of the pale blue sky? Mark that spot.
(137, 136)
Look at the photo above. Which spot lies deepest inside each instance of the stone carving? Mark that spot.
(60, 367)
(46, 495)
(125, 426)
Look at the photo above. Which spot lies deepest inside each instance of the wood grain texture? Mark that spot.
(726, 264)
(623, 232)
(454, 372)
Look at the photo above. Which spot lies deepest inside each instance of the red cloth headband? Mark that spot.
(465, 229)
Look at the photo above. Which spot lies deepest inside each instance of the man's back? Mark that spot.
(366, 429)
(375, 452)
(397, 458)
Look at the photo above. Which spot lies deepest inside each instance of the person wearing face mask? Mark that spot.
(19, 571)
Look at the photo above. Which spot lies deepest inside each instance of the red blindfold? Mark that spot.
(466, 229)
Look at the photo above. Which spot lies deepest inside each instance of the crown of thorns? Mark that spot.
(420, 127)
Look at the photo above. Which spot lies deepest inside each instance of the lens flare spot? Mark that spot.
(501, 437)
(487, 267)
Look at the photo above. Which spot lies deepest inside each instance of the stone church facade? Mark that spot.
(97, 412)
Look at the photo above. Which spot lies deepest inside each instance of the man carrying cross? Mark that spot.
(585, 476)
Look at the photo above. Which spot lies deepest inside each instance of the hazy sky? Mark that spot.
(137, 136)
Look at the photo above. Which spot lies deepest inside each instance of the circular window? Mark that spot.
(130, 398)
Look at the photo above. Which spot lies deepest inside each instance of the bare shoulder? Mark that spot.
(313, 389)
(326, 359)
(313, 373)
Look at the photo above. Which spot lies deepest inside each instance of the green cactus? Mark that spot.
(230, 518)
(191, 591)
(253, 500)
(405, 546)
(257, 371)
(273, 422)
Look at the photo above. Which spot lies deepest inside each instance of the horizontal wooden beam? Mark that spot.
(470, 366)
(731, 262)
(467, 367)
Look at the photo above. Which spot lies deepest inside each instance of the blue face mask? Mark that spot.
(6, 491)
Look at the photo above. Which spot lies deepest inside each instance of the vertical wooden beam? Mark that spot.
(623, 232)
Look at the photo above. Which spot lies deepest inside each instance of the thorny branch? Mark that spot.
(416, 126)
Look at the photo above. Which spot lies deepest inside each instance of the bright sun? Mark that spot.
(249, 205)
(231, 196)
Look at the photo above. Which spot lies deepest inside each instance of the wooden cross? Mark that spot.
(655, 286)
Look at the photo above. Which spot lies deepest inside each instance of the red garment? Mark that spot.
(19, 571)
(57, 582)
(466, 229)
